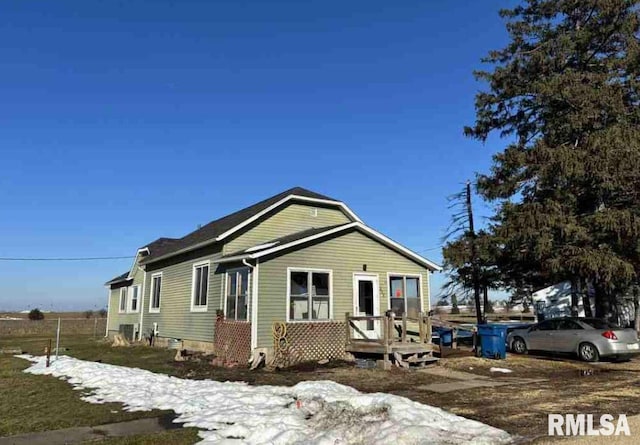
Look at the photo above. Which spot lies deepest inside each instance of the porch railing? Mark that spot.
(389, 329)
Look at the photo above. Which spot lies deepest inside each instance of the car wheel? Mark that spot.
(588, 352)
(519, 346)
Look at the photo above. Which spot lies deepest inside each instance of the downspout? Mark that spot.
(255, 272)
(144, 286)
(106, 329)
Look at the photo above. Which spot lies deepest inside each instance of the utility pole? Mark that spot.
(474, 257)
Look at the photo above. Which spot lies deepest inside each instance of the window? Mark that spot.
(309, 295)
(547, 325)
(568, 325)
(598, 323)
(134, 294)
(404, 295)
(200, 287)
(237, 294)
(123, 300)
(156, 286)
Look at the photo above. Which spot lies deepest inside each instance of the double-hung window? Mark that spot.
(134, 295)
(123, 300)
(156, 288)
(404, 295)
(309, 295)
(200, 287)
(237, 294)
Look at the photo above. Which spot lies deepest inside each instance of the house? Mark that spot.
(299, 258)
(555, 301)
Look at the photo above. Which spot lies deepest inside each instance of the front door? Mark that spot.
(366, 302)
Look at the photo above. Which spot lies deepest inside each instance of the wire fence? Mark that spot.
(48, 327)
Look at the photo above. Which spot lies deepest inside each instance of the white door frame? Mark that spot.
(375, 279)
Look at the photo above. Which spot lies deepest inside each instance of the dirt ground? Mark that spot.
(572, 387)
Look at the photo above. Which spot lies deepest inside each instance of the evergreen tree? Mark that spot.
(36, 314)
(565, 91)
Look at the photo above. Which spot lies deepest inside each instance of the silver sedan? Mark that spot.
(590, 338)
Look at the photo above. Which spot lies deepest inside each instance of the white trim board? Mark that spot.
(204, 307)
(254, 306)
(405, 275)
(125, 290)
(130, 291)
(141, 298)
(357, 225)
(375, 280)
(106, 334)
(249, 296)
(152, 288)
(284, 200)
(135, 262)
(309, 286)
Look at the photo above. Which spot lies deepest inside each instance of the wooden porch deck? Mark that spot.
(406, 340)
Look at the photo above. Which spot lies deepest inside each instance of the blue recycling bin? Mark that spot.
(493, 340)
(446, 336)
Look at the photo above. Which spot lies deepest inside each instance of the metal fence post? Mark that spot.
(58, 339)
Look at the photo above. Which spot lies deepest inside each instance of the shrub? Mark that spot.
(88, 314)
(36, 314)
(102, 313)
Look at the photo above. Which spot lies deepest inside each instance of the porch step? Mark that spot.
(415, 360)
(425, 359)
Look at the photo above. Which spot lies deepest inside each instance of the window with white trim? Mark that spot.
(154, 296)
(309, 295)
(134, 295)
(237, 294)
(404, 295)
(123, 300)
(200, 287)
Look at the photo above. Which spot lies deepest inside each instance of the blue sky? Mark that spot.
(125, 121)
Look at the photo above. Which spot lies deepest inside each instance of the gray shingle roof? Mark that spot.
(165, 246)
(118, 279)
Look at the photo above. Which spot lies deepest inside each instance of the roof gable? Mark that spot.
(220, 229)
(306, 236)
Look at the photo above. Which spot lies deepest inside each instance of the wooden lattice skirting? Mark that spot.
(315, 341)
(232, 340)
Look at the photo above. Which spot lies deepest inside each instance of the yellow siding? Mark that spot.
(344, 255)
(291, 219)
(175, 319)
(116, 318)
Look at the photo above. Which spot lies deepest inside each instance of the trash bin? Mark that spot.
(445, 335)
(493, 338)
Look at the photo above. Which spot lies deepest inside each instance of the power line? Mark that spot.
(96, 258)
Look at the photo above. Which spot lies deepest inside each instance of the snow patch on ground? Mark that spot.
(313, 412)
(502, 370)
